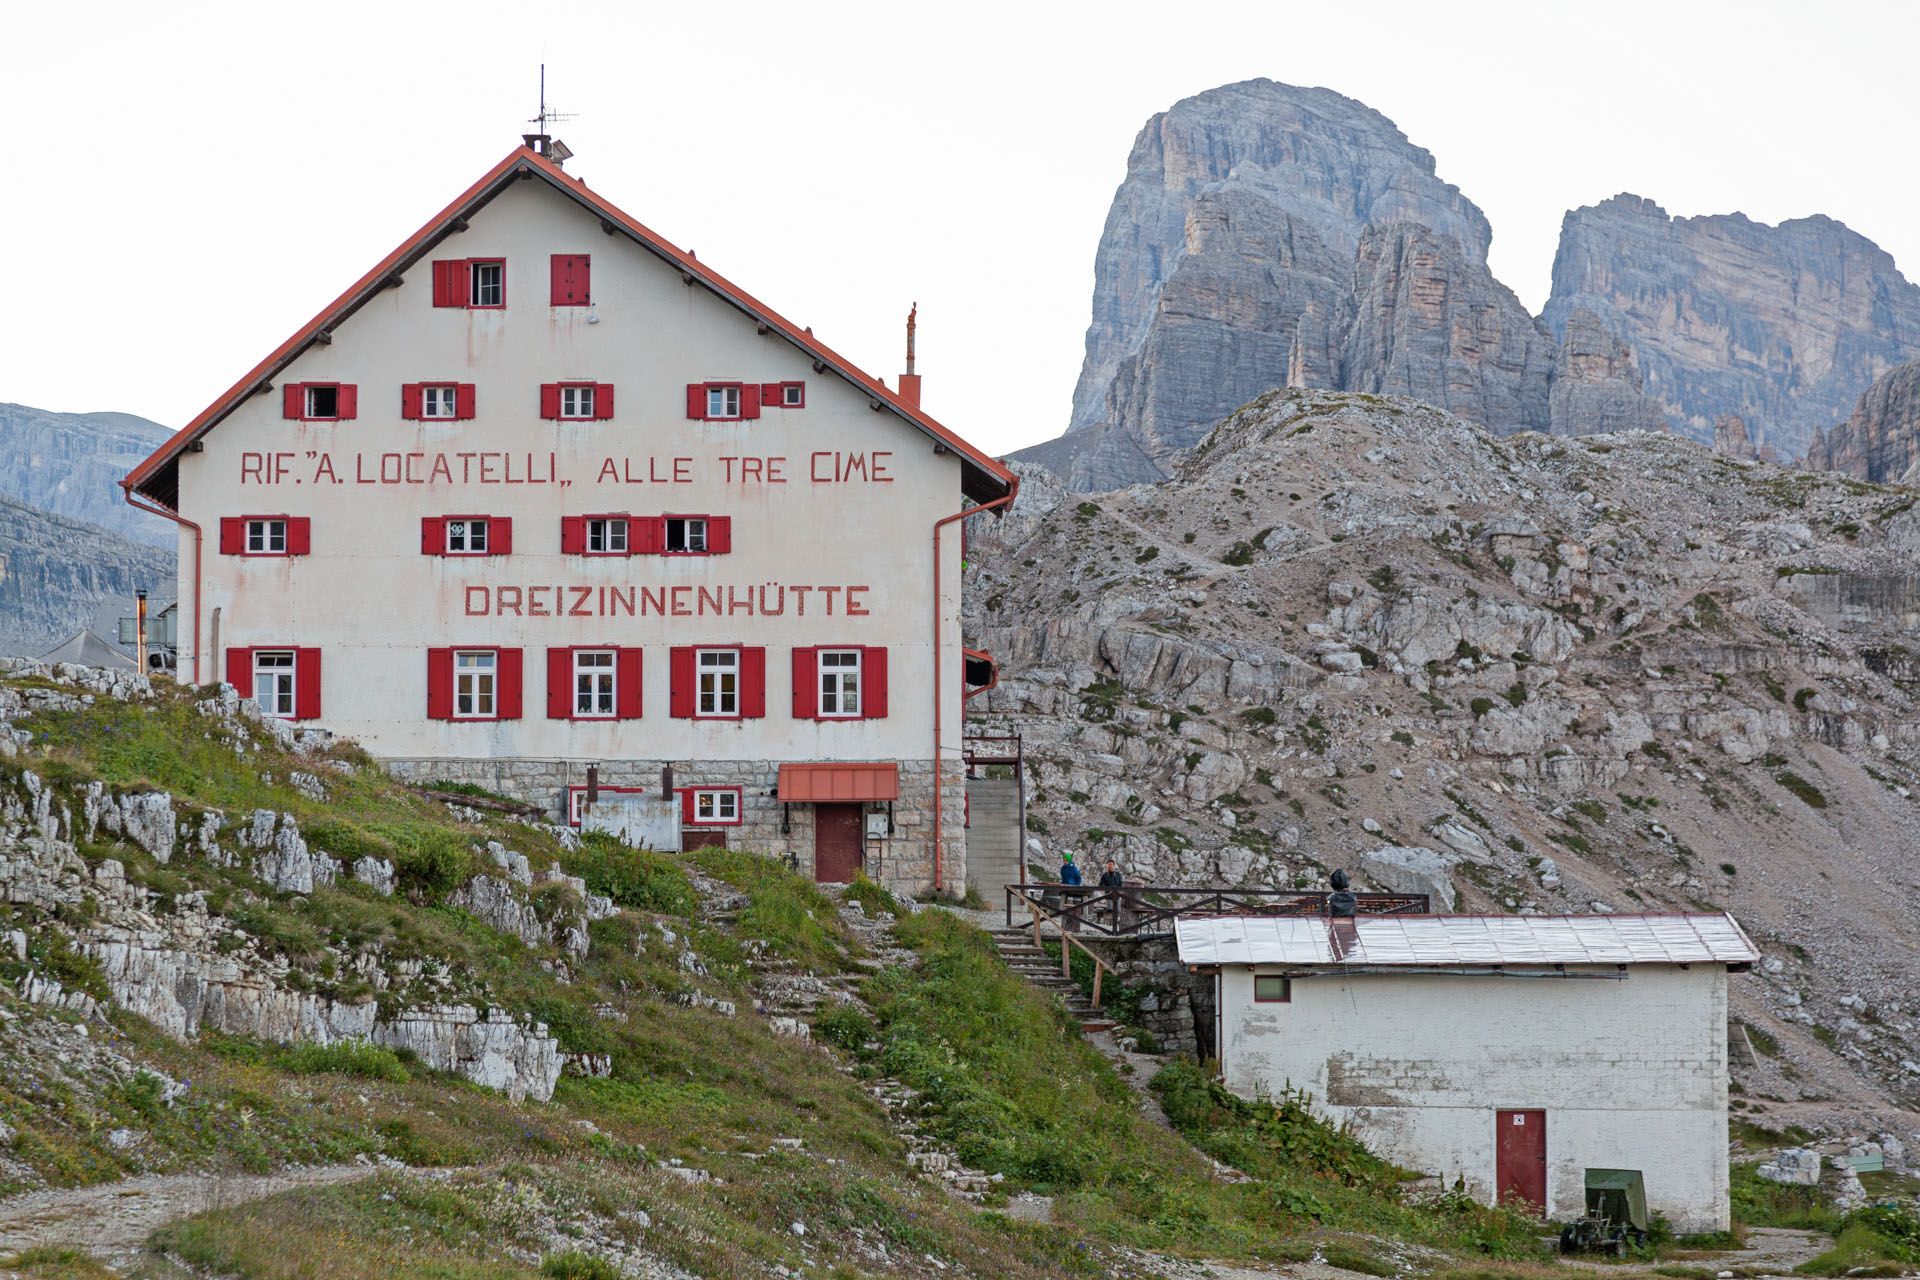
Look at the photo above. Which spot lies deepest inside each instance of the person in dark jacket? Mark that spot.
(1112, 879)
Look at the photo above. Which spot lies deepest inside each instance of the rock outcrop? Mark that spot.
(1596, 384)
(1783, 325)
(1881, 441)
(55, 571)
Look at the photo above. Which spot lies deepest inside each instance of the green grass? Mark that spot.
(1808, 794)
(1879, 1240)
(785, 911)
(1760, 1203)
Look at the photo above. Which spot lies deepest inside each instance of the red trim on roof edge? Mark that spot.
(998, 479)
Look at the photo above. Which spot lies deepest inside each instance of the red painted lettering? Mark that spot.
(505, 599)
(880, 475)
(800, 600)
(537, 602)
(253, 467)
(653, 601)
(709, 601)
(483, 596)
(579, 609)
(678, 595)
(854, 608)
(829, 593)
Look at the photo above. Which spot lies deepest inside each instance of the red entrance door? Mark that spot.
(1520, 1157)
(838, 842)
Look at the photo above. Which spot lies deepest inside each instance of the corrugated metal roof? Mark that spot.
(1463, 940)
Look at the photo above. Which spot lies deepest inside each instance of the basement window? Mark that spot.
(716, 806)
(273, 682)
(607, 537)
(1271, 989)
(686, 533)
(266, 537)
(323, 400)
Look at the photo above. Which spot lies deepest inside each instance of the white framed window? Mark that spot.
(323, 400)
(593, 680)
(439, 400)
(489, 283)
(576, 401)
(686, 533)
(840, 682)
(466, 537)
(723, 402)
(266, 537)
(716, 806)
(717, 682)
(607, 536)
(793, 395)
(475, 680)
(273, 682)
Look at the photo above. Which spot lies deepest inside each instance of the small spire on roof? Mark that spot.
(910, 381)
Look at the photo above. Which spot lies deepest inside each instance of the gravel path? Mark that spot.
(117, 1217)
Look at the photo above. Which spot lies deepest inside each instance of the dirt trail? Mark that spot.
(116, 1217)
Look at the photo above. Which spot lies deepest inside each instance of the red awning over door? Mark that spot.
(838, 783)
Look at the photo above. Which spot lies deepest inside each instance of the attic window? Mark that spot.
(489, 283)
(323, 401)
(793, 395)
(723, 402)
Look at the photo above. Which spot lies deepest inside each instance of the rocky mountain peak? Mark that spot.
(1881, 441)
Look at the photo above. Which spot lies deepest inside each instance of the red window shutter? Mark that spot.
(306, 684)
(463, 399)
(873, 683)
(550, 400)
(499, 535)
(233, 535)
(348, 403)
(603, 400)
(688, 812)
(626, 683)
(439, 682)
(508, 701)
(719, 535)
(806, 684)
(646, 535)
(571, 280)
(451, 282)
(697, 401)
(293, 400)
(433, 535)
(573, 535)
(770, 394)
(750, 400)
(753, 682)
(239, 671)
(410, 402)
(680, 683)
(299, 535)
(559, 684)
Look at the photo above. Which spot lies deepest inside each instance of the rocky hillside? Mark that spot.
(71, 464)
(1267, 235)
(1782, 325)
(1613, 673)
(1881, 441)
(55, 571)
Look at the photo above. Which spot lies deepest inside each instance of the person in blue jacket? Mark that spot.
(1070, 893)
(1069, 872)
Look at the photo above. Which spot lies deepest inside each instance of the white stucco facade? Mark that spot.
(832, 508)
(1628, 1063)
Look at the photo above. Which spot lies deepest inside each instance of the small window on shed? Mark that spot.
(1270, 989)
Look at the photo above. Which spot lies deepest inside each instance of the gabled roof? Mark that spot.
(1463, 941)
(984, 477)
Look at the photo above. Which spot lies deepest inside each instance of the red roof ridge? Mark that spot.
(995, 475)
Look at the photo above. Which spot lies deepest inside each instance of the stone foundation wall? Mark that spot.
(902, 861)
(1178, 1008)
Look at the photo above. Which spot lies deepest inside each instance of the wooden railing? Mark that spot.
(1067, 943)
(1144, 911)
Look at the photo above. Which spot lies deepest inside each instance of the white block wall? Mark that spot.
(1631, 1074)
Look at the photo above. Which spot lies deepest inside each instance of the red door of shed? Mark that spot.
(1520, 1157)
(838, 841)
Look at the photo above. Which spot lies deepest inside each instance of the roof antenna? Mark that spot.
(910, 381)
(543, 142)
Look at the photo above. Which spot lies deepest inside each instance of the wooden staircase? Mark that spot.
(1017, 948)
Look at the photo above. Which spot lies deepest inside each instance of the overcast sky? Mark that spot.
(193, 181)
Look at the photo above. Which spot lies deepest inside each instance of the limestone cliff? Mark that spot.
(1596, 384)
(1237, 223)
(54, 572)
(1881, 441)
(71, 464)
(1783, 325)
